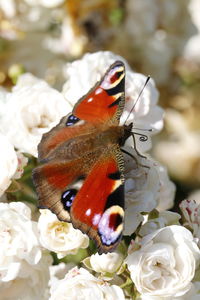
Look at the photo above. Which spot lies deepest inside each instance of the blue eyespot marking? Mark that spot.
(71, 120)
(67, 198)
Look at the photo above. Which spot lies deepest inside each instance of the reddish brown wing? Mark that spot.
(103, 104)
(50, 181)
(98, 208)
(72, 164)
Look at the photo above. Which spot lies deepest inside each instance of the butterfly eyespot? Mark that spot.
(111, 225)
(67, 198)
(71, 120)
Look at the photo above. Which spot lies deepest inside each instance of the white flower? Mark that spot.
(165, 264)
(194, 8)
(33, 108)
(165, 218)
(192, 49)
(146, 113)
(8, 8)
(68, 43)
(146, 186)
(3, 98)
(58, 272)
(8, 163)
(18, 239)
(152, 30)
(22, 162)
(80, 284)
(45, 3)
(191, 213)
(58, 236)
(104, 263)
(167, 189)
(32, 285)
(183, 143)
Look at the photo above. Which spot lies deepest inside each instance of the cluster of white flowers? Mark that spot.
(23, 268)
(163, 260)
(154, 30)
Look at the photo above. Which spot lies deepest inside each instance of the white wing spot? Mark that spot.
(88, 212)
(96, 219)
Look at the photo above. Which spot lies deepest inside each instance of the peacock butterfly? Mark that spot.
(81, 178)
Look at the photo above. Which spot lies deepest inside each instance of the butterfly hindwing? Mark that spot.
(98, 208)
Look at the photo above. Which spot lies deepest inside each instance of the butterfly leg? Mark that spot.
(143, 138)
(135, 159)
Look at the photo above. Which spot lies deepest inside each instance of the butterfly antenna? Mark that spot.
(147, 80)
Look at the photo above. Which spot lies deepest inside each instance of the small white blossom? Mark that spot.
(165, 218)
(45, 3)
(22, 162)
(8, 163)
(8, 8)
(3, 98)
(18, 239)
(58, 236)
(68, 42)
(105, 263)
(165, 264)
(32, 109)
(191, 213)
(80, 284)
(58, 272)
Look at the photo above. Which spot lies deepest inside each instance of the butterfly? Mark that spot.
(81, 176)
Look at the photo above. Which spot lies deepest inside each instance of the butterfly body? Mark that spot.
(81, 177)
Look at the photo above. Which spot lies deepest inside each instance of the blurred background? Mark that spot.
(160, 38)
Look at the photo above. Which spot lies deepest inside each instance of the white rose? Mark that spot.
(58, 236)
(8, 163)
(105, 263)
(30, 285)
(32, 109)
(145, 188)
(18, 240)
(165, 264)
(80, 284)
